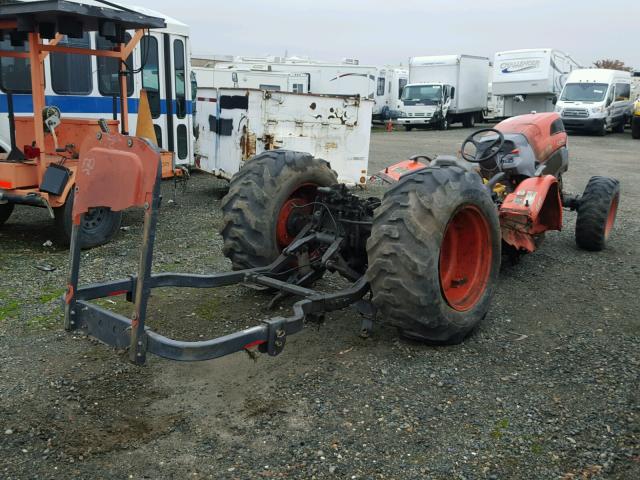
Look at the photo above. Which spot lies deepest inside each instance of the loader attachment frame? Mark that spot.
(269, 336)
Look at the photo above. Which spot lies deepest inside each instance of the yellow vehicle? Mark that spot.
(635, 120)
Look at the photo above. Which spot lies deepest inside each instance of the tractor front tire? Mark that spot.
(99, 225)
(264, 197)
(597, 213)
(635, 127)
(6, 209)
(434, 254)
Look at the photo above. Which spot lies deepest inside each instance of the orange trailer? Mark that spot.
(46, 149)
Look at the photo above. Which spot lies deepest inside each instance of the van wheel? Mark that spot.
(5, 212)
(602, 131)
(619, 127)
(408, 128)
(99, 225)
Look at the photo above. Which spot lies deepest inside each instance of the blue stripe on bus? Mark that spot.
(80, 104)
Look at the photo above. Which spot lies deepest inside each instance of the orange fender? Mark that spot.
(531, 210)
(115, 171)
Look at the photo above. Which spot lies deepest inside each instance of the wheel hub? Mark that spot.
(465, 258)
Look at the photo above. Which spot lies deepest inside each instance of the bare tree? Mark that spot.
(612, 64)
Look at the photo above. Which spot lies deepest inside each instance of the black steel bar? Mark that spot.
(15, 154)
(106, 289)
(283, 286)
(70, 310)
(137, 350)
(107, 326)
(31, 199)
(207, 349)
(114, 105)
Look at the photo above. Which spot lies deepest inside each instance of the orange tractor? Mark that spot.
(47, 150)
(425, 258)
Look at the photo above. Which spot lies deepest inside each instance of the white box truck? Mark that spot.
(233, 125)
(443, 90)
(596, 100)
(530, 80)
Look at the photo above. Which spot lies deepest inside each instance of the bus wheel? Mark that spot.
(5, 212)
(99, 225)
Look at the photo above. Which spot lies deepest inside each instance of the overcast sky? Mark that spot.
(389, 32)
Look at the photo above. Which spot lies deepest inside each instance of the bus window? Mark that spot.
(150, 72)
(178, 63)
(15, 75)
(158, 130)
(108, 69)
(183, 147)
(71, 74)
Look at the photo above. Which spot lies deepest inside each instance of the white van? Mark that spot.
(596, 100)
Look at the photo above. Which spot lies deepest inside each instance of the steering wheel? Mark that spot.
(490, 148)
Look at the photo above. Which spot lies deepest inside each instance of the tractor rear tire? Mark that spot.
(434, 254)
(6, 209)
(99, 226)
(635, 127)
(262, 197)
(597, 213)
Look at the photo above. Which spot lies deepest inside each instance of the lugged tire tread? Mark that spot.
(593, 212)
(400, 260)
(246, 207)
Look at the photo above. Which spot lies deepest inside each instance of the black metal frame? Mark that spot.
(270, 335)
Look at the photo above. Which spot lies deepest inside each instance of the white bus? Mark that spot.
(88, 86)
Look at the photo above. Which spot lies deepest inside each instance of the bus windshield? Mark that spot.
(422, 94)
(584, 92)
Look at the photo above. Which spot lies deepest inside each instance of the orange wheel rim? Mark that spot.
(295, 209)
(465, 258)
(611, 217)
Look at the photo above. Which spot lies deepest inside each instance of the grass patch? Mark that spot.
(208, 309)
(51, 294)
(499, 428)
(9, 309)
(44, 322)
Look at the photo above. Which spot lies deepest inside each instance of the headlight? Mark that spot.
(636, 109)
(558, 109)
(599, 109)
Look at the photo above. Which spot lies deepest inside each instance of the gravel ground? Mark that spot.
(547, 387)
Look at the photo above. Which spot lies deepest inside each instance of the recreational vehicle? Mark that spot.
(530, 80)
(389, 85)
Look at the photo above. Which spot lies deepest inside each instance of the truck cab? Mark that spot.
(596, 100)
(425, 104)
